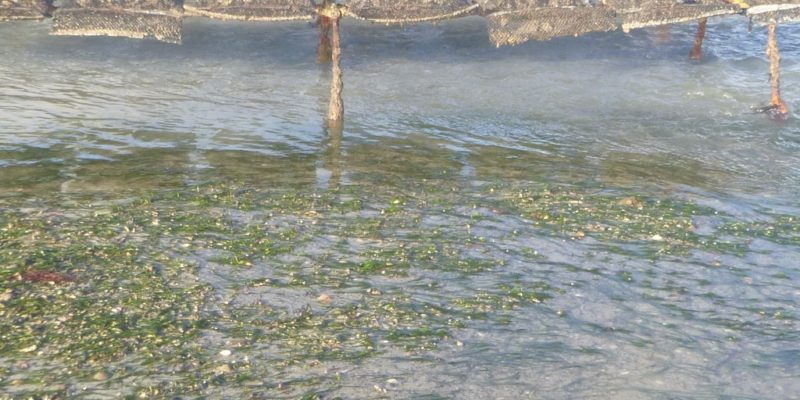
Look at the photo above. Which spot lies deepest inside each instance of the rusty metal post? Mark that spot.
(336, 106)
(778, 109)
(324, 46)
(697, 50)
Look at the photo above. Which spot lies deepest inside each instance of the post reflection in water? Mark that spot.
(331, 156)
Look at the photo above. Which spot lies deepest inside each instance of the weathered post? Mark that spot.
(336, 105)
(324, 47)
(777, 109)
(697, 50)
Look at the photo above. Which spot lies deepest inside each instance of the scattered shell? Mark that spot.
(379, 389)
(223, 369)
(630, 202)
(225, 353)
(28, 349)
(100, 376)
(656, 238)
(324, 299)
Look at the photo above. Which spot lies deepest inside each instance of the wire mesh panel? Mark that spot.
(491, 6)
(515, 21)
(509, 21)
(514, 27)
(765, 11)
(643, 13)
(405, 11)
(11, 10)
(253, 10)
(158, 19)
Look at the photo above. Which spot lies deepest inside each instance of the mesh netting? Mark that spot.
(510, 21)
(516, 21)
(639, 14)
(491, 6)
(765, 11)
(158, 19)
(514, 27)
(772, 3)
(150, 5)
(393, 11)
(11, 10)
(255, 10)
(776, 16)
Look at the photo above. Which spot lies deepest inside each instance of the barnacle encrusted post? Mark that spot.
(336, 106)
(324, 46)
(778, 107)
(697, 50)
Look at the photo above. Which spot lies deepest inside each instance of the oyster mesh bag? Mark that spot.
(252, 10)
(14, 10)
(158, 19)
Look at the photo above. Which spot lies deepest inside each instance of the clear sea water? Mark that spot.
(453, 131)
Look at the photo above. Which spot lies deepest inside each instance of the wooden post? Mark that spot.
(324, 46)
(336, 106)
(778, 109)
(697, 50)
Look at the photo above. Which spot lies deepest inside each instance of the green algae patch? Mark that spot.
(606, 217)
(352, 331)
(261, 292)
(383, 267)
(115, 303)
(779, 228)
(664, 226)
(485, 304)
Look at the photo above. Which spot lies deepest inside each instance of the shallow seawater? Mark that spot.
(592, 217)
